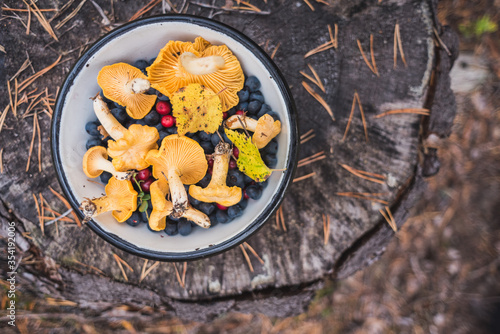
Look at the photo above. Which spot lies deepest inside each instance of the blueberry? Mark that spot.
(271, 160)
(162, 97)
(222, 217)
(274, 115)
(135, 219)
(235, 178)
(247, 179)
(213, 218)
(205, 181)
(184, 227)
(264, 184)
(153, 118)
(159, 127)
(204, 136)
(231, 111)
(91, 128)
(225, 137)
(215, 139)
(141, 122)
(146, 214)
(254, 191)
(271, 147)
(117, 105)
(206, 208)
(252, 83)
(163, 134)
(193, 200)
(172, 130)
(105, 176)
(152, 60)
(234, 211)
(254, 107)
(104, 98)
(242, 106)
(243, 95)
(93, 142)
(264, 109)
(171, 228)
(257, 96)
(152, 91)
(120, 114)
(243, 203)
(208, 147)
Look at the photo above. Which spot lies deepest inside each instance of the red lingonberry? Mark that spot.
(163, 107)
(168, 121)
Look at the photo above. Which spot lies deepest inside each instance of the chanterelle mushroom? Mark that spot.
(162, 208)
(182, 63)
(264, 129)
(126, 85)
(130, 146)
(95, 161)
(217, 191)
(181, 160)
(120, 197)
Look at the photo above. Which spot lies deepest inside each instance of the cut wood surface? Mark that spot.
(294, 254)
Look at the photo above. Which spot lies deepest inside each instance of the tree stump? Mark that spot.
(76, 265)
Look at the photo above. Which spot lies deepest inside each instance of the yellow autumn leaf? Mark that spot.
(196, 108)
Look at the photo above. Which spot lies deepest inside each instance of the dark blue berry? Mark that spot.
(254, 191)
(172, 130)
(140, 122)
(135, 219)
(242, 106)
(274, 115)
(208, 147)
(163, 134)
(215, 139)
(243, 95)
(247, 179)
(152, 60)
(231, 111)
(257, 96)
(204, 136)
(252, 83)
(141, 64)
(162, 97)
(264, 184)
(213, 219)
(205, 181)
(184, 227)
(254, 106)
(104, 98)
(117, 105)
(93, 142)
(234, 211)
(271, 160)
(153, 118)
(171, 228)
(271, 147)
(146, 214)
(104, 177)
(243, 203)
(151, 91)
(91, 128)
(222, 217)
(193, 200)
(120, 114)
(235, 178)
(206, 208)
(265, 108)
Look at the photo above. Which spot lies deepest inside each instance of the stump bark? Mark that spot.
(295, 261)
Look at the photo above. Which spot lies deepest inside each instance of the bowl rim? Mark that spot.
(291, 162)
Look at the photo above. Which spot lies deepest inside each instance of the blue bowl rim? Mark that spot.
(290, 164)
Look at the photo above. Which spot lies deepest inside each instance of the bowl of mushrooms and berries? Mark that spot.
(174, 137)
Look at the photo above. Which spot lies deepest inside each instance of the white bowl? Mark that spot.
(143, 39)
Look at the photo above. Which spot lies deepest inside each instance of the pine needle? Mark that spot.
(302, 136)
(99, 271)
(321, 48)
(71, 15)
(184, 270)
(7, 9)
(275, 50)
(250, 248)
(356, 98)
(418, 111)
(68, 206)
(41, 18)
(38, 131)
(23, 85)
(304, 177)
(145, 272)
(118, 260)
(144, 9)
(31, 145)
(309, 5)
(181, 283)
(40, 221)
(1, 160)
(28, 26)
(388, 217)
(247, 258)
(3, 116)
(24, 66)
(398, 45)
(365, 196)
(326, 229)
(318, 98)
(362, 174)
(10, 97)
(282, 218)
(334, 37)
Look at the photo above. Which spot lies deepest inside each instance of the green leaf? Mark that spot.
(249, 159)
(144, 206)
(146, 197)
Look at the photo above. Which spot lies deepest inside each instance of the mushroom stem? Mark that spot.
(93, 207)
(107, 166)
(178, 192)
(137, 86)
(221, 164)
(201, 65)
(108, 121)
(197, 217)
(234, 123)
